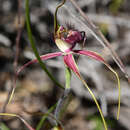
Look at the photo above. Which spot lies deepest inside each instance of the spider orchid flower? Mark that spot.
(66, 45)
(66, 40)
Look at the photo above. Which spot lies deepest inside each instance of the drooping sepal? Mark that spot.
(70, 62)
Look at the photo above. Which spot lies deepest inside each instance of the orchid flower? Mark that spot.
(66, 40)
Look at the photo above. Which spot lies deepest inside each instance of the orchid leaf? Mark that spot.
(31, 38)
(15, 115)
(96, 56)
(70, 62)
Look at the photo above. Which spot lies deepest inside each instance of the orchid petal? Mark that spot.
(96, 56)
(43, 57)
(70, 62)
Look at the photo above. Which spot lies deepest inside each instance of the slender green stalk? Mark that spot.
(60, 108)
(68, 77)
(31, 38)
(65, 100)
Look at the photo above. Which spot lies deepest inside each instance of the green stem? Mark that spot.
(34, 46)
(61, 107)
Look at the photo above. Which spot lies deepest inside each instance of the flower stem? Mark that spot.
(60, 105)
